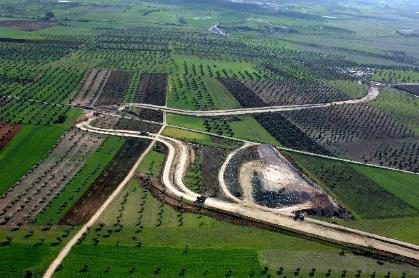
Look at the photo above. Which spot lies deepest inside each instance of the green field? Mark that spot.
(351, 88)
(30, 249)
(243, 127)
(404, 186)
(29, 146)
(364, 196)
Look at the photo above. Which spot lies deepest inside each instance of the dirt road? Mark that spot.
(373, 93)
(176, 165)
(174, 169)
(64, 252)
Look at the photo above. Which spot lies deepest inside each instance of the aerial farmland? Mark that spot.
(209, 138)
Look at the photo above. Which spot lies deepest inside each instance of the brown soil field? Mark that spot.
(41, 184)
(294, 92)
(106, 183)
(131, 124)
(7, 131)
(93, 83)
(411, 89)
(50, 42)
(153, 86)
(112, 122)
(211, 161)
(105, 121)
(152, 89)
(27, 25)
(151, 115)
(207, 162)
(115, 88)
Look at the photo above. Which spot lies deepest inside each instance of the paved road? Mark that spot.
(373, 92)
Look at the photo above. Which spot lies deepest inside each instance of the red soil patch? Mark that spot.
(7, 132)
(27, 25)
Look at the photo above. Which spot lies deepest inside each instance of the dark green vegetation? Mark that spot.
(284, 52)
(357, 192)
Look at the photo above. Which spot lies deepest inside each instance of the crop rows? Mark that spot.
(92, 85)
(190, 91)
(42, 183)
(361, 132)
(28, 111)
(345, 124)
(115, 88)
(153, 88)
(401, 155)
(411, 89)
(289, 91)
(106, 183)
(27, 25)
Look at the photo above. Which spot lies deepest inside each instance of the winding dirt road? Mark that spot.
(177, 163)
(373, 93)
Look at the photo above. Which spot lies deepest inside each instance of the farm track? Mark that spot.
(22, 203)
(172, 178)
(73, 241)
(373, 93)
(175, 168)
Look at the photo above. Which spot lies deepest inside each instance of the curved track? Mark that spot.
(176, 165)
(373, 93)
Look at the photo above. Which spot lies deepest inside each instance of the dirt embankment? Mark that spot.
(261, 175)
(232, 171)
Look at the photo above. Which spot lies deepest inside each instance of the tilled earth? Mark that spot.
(106, 183)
